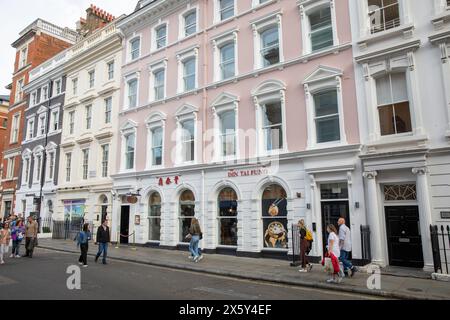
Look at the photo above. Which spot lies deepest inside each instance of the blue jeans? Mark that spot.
(102, 248)
(344, 259)
(193, 246)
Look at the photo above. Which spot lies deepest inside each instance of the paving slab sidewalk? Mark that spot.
(270, 270)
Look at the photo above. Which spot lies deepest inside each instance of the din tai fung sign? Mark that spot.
(247, 173)
(167, 181)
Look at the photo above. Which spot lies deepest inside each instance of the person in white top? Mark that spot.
(345, 245)
(333, 249)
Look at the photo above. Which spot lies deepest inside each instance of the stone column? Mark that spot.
(373, 218)
(423, 198)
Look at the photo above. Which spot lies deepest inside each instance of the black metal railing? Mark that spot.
(366, 250)
(440, 246)
(295, 246)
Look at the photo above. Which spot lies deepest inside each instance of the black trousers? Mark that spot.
(84, 251)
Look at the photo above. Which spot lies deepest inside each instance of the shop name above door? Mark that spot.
(168, 181)
(247, 173)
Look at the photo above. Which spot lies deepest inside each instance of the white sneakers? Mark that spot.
(11, 256)
(303, 270)
(18, 257)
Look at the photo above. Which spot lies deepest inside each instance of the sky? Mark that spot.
(18, 14)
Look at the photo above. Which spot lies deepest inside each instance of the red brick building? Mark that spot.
(4, 104)
(37, 43)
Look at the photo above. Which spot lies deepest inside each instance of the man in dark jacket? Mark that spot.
(103, 238)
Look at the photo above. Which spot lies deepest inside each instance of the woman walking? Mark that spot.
(5, 238)
(17, 235)
(334, 253)
(195, 233)
(83, 242)
(304, 247)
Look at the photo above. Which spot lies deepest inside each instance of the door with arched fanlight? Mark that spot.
(228, 217)
(186, 214)
(154, 217)
(274, 216)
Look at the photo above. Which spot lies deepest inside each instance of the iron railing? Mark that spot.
(366, 250)
(440, 245)
(295, 246)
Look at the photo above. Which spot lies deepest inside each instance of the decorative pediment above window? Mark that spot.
(323, 73)
(269, 90)
(186, 111)
(51, 147)
(26, 154)
(42, 109)
(38, 150)
(225, 99)
(156, 119)
(130, 125)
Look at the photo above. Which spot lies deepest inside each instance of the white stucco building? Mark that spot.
(402, 71)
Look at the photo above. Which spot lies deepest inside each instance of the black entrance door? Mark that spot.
(124, 224)
(331, 212)
(104, 213)
(403, 236)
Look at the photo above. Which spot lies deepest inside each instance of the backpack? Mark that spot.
(309, 236)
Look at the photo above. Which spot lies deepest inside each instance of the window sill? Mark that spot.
(327, 145)
(403, 141)
(406, 30)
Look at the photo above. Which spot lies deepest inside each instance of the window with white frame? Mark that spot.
(71, 122)
(68, 166)
(30, 129)
(157, 146)
(26, 170)
(10, 168)
(51, 165)
(108, 110)
(19, 90)
(42, 124)
(268, 41)
(23, 57)
(75, 86)
(190, 23)
(188, 140)
(259, 2)
(226, 9)
(186, 117)
(105, 160)
(135, 48)
(159, 84)
(227, 122)
(38, 167)
(85, 168)
(34, 98)
(324, 107)
(91, 79)
(58, 87)
(321, 27)
(160, 36)
(15, 128)
(189, 74)
(326, 116)
(44, 93)
(54, 120)
(383, 15)
(88, 110)
(227, 61)
(130, 147)
(269, 99)
(132, 93)
(393, 104)
(110, 66)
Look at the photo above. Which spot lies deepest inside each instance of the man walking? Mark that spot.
(31, 232)
(345, 244)
(103, 238)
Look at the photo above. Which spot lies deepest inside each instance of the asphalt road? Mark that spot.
(45, 277)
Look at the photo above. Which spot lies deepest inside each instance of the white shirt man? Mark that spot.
(345, 244)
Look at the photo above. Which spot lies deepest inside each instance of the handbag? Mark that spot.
(201, 235)
(328, 265)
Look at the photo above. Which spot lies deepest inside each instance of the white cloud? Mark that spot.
(18, 14)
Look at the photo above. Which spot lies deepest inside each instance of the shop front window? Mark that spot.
(74, 210)
(274, 214)
(154, 217)
(228, 221)
(187, 212)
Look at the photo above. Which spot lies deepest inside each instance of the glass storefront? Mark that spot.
(154, 217)
(274, 215)
(74, 209)
(187, 212)
(228, 217)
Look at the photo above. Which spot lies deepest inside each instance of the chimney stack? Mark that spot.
(96, 18)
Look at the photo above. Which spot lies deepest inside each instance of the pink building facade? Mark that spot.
(242, 114)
